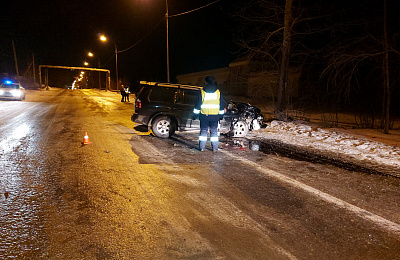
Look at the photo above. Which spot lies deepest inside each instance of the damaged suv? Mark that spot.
(165, 108)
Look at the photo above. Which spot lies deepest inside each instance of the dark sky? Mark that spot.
(62, 32)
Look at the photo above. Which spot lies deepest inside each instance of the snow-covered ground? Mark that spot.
(351, 146)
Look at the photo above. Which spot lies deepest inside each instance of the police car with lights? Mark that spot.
(11, 90)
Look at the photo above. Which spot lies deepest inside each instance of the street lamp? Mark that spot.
(90, 54)
(166, 19)
(86, 63)
(104, 39)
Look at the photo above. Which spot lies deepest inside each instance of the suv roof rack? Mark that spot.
(170, 85)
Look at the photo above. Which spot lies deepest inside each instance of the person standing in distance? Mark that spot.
(127, 92)
(123, 94)
(210, 108)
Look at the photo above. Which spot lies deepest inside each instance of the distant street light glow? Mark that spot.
(86, 64)
(90, 54)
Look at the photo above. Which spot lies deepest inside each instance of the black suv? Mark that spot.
(165, 108)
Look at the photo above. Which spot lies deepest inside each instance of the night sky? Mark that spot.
(63, 32)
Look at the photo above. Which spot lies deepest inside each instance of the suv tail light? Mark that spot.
(138, 103)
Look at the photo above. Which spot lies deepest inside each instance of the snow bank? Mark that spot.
(301, 134)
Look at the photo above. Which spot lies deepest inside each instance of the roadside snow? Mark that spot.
(301, 134)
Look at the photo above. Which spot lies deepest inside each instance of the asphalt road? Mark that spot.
(129, 195)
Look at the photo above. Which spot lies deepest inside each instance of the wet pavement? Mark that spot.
(129, 195)
(278, 148)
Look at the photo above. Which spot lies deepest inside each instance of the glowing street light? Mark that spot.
(86, 63)
(104, 39)
(90, 54)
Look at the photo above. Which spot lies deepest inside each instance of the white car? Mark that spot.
(12, 90)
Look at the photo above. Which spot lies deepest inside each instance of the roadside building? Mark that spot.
(221, 75)
(244, 77)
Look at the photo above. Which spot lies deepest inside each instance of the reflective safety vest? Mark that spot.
(210, 103)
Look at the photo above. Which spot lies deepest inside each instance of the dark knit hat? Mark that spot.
(210, 80)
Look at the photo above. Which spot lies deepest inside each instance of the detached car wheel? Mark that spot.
(240, 129)
(163, 127)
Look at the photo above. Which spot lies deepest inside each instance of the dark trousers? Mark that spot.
(206, 123)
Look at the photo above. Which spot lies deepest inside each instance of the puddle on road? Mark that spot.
(240, 144)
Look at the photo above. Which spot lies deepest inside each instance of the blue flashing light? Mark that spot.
(8, 82)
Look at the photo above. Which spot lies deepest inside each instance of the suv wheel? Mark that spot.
(240, 129)
(163, 127)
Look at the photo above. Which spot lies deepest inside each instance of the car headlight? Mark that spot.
(16, 93)
(1, 92)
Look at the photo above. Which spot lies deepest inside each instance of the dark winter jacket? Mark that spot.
(210, 88)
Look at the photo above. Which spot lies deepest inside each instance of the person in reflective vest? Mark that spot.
(123, 94)
(127, 92)
(210, 108)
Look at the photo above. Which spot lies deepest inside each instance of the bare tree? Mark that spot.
(274, 34)
(368, 47)
(283, 74)
(343, 38)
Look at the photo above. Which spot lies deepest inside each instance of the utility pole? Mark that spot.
(166, 19)
(33, 68)
(16, 61)
(386, 79)
(98, 59)
(116, 63)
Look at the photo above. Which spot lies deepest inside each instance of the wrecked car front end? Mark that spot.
(240, 118)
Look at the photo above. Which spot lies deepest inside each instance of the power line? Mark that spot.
(194, 9)
(145, 36)
(136, 43)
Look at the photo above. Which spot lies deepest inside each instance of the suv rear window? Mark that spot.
(160, 94)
